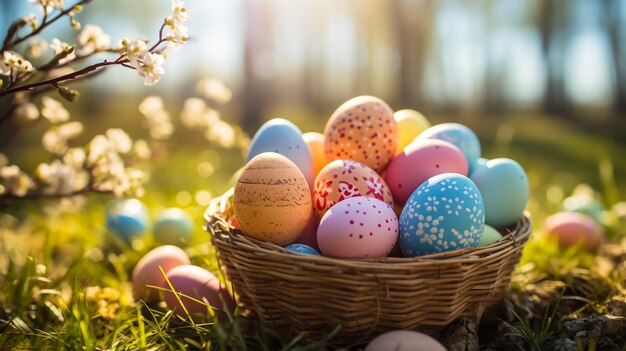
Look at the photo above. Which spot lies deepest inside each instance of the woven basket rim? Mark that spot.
(516, 235)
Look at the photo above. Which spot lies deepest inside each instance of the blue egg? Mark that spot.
(283, 137)
(445, 213)
(459, 135)
(127, 218)
(303, 249)
(489, 236)
(480, 164)
(504, 187)
(173, 226)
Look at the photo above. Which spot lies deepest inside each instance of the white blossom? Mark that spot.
(14, 65)
(55, 140)
(159, 121)
(119, 140)
(27, 111)
(214, 89)
(49, 5)
(16, 182)
(141, 150)
(136, 50)
(61, 178)
(92, 39)
(58, 47)
(75, 157)
(179, 12)
(151, 68)
(37, 47)
(150, 105)
(178, 34)
(53, 110)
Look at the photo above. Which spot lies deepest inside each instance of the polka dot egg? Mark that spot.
(362, 129)
(445, 213)
(358, 227)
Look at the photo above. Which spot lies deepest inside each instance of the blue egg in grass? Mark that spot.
(303, 249)
(173, 226)
(283, 137)
(127, 218)
(445, 213)
(504, 187)
(459, 135)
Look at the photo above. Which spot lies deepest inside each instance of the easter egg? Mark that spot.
(196, 283)
(148, 270)
(504, 187)
(362, 129)
(342, 179)
(283, 137)
(419, 161)
(410, 124)
(489, 236)
(173, 226)
(584, 204)
(315, 143)
(404, 340)
(358, 227)
(272, 200)
(128, 218)
(573, 228)
(445, 213)
(309, 234)
(480, 164)
(459, 135)
(303, 249)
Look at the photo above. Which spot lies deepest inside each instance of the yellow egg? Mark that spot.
(315, 142)
(272, 200)
(362, 129)
(410, 124)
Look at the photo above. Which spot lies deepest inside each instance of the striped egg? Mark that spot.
(362, 129)
(445, 213)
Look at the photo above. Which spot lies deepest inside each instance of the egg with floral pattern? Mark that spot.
(342, 179)
(362, 129)
(445, 213)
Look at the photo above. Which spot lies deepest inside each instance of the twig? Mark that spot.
(44, 23)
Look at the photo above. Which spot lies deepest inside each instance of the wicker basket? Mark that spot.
(313, 294)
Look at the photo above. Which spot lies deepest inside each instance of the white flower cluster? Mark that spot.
(159, 122)
(148, 64)
(13, 180)
(48, 5)
(14, 65)
(197, 114)
(179, 33)
(56, 139)
(110, 174)
(92, 39)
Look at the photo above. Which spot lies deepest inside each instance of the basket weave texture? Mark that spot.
(314, 294)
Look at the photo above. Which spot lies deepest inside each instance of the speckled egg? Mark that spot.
(504, 187)
(342, 179)
(303, 249)
(573, 228)
(410, 124)
(315, 143)
(419, 161)
(459, 135)
(128, 218)
(404, 340)
(196, 283)
(490, 235)
(358, 227)
(148, 270)
(272, 200)
(445, 213)
(362, 129)
(173, 226)
(283, 137)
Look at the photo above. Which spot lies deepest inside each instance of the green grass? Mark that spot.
(50, 262)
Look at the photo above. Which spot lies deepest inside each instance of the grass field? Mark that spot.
(64, 280)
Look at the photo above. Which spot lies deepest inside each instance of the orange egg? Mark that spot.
(362, 129)
(315, 142)
(342, 179)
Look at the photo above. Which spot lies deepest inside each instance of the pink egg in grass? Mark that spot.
(147, 271)
(358, 227)
(404, 340)
(196, 283)
(573, 228)
(419, 161)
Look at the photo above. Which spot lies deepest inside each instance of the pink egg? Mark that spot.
(404, 340)
(148, 272)
(309, 234)
(199, 284)
(419, 161)
(573, 228)
(358, 227)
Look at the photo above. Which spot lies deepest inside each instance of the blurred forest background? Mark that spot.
(565, 58)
